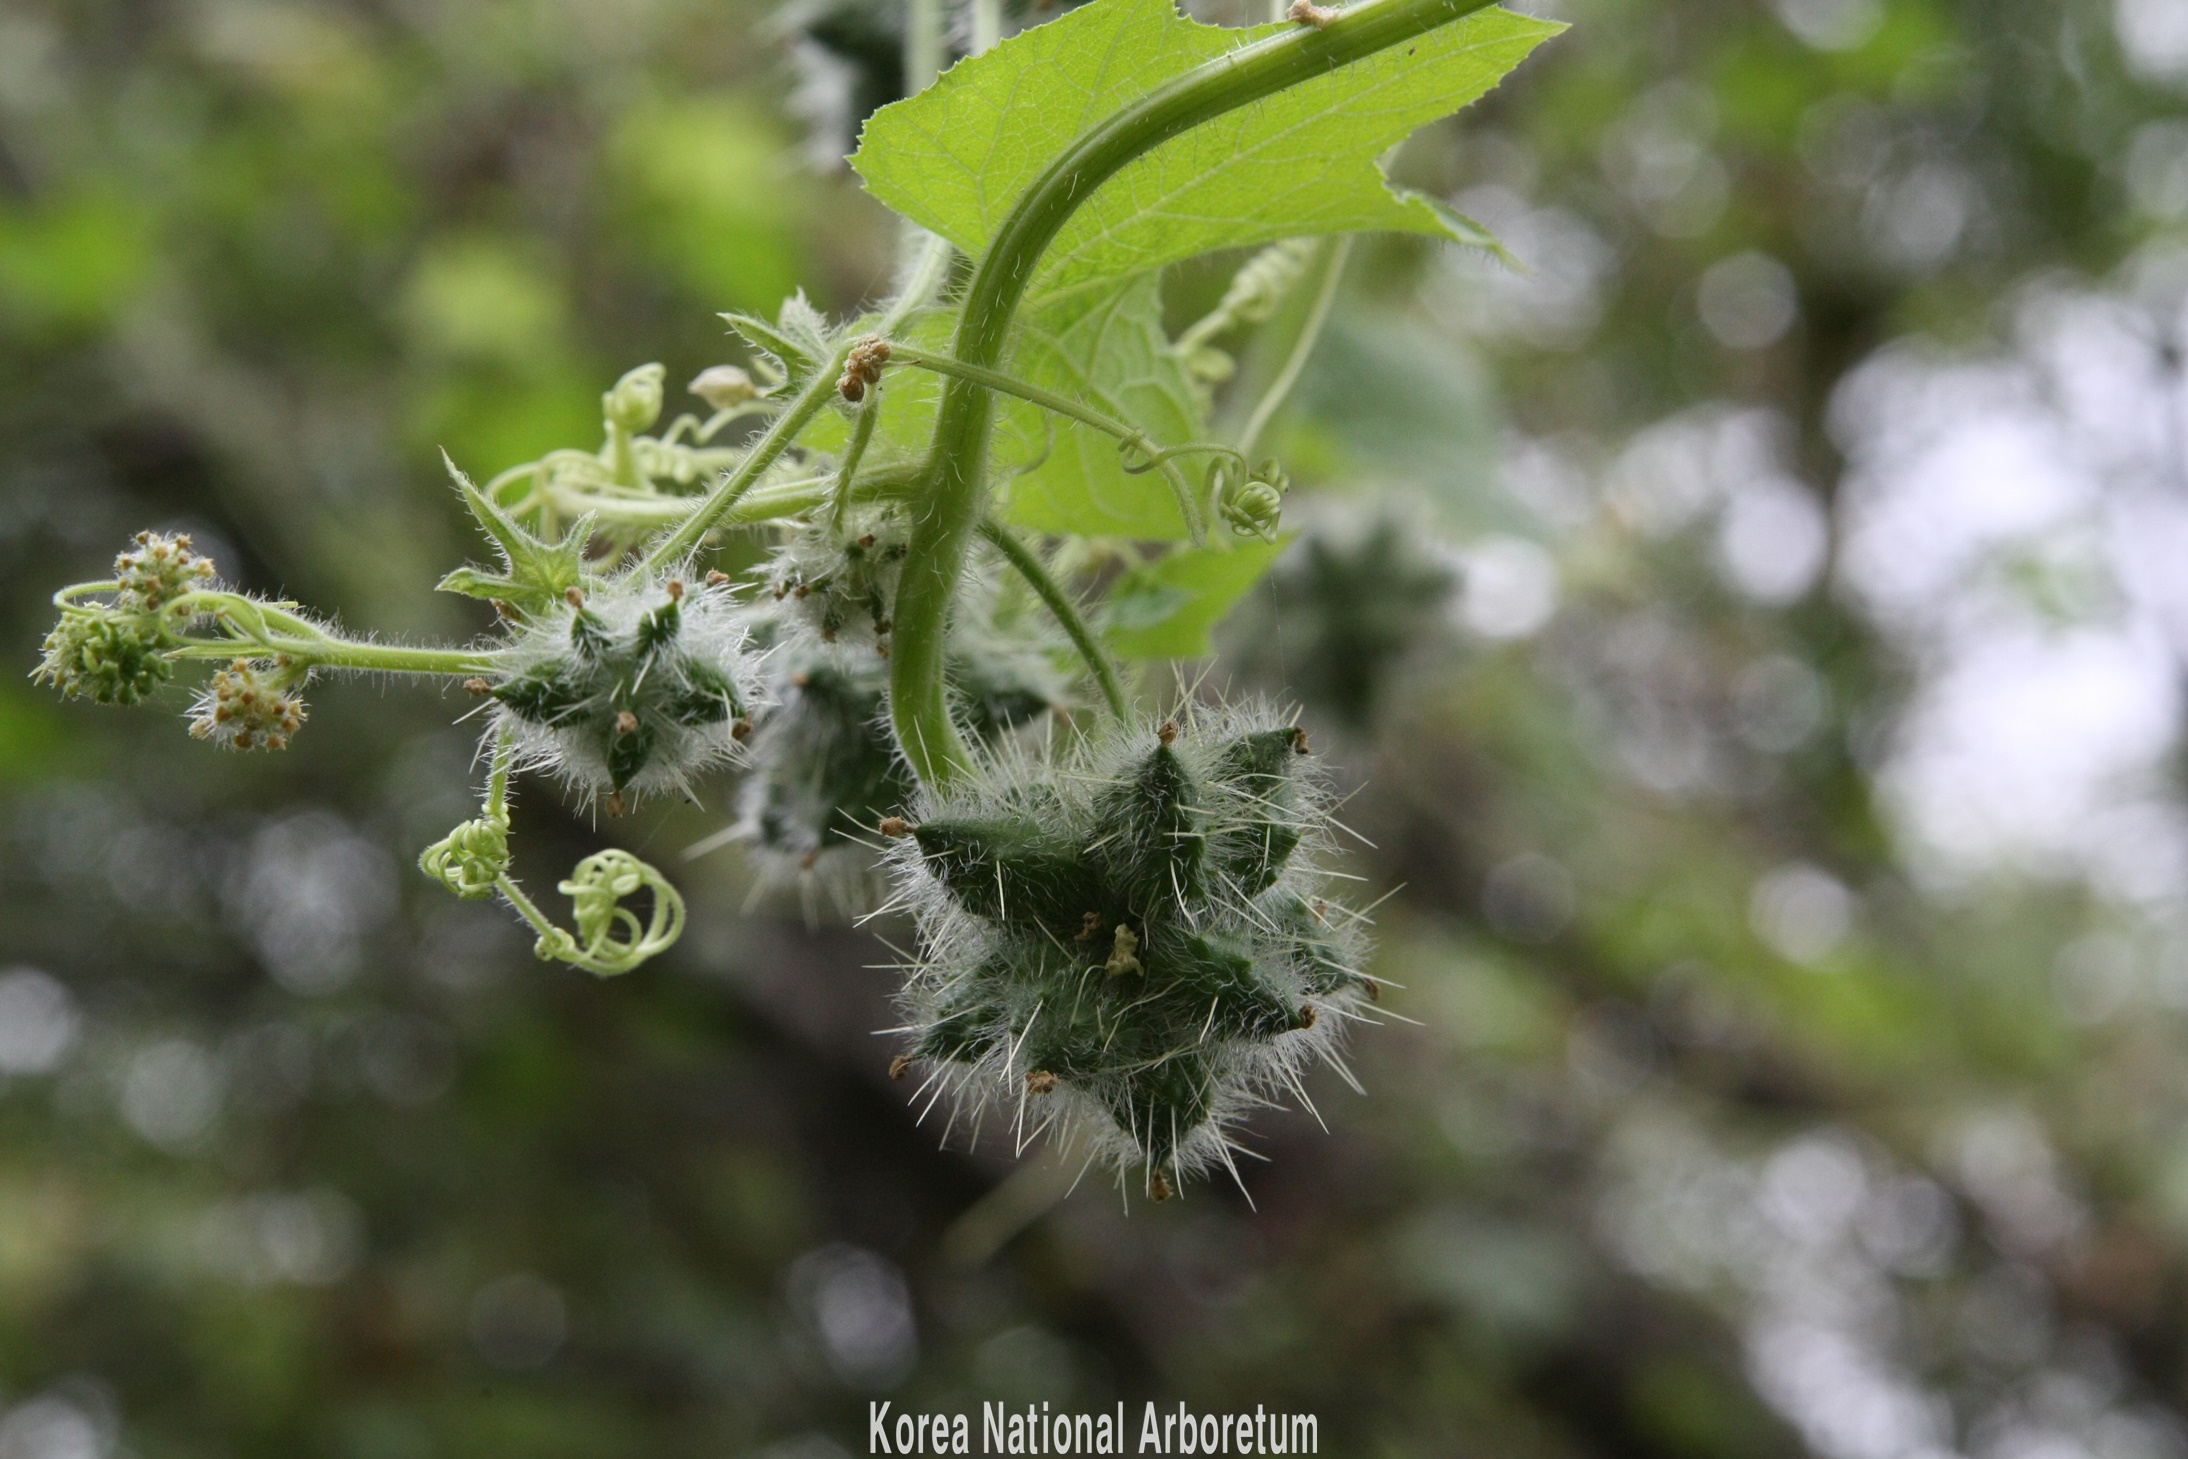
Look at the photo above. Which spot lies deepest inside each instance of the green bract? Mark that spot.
(838, 580)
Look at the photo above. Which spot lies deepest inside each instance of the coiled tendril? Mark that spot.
(610, 939)
(470, 860)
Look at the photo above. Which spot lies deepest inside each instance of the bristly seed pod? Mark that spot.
(1356, 597)
(1138, 935)
(827, 777)
(637, 686)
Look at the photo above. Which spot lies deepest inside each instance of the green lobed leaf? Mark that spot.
(1166, 609)
(958, 156)
(1106, 347)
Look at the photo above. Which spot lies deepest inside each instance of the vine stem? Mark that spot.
(987, 24)
(760, 504)
(922, 44)
(862, 432)
(1336, 254)
(764, 452)
(1037, 576)
(957, 463)
(259, 629)
(929, 271)
(340, 653)
(497, 780)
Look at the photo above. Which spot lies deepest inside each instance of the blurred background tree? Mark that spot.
(1755, 632)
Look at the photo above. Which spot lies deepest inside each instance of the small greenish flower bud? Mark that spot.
(104, 656)
(249, 706)
(1139, 935)
(1254, 504)
(471, 859)
(724, 386)
(158, 570)
(640, 685)
(635, 402)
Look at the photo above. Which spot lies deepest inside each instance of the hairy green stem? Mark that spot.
(497, 810)
(525, 907)
(1037, 576)
(1336, 252)
(768, 503)
(339, 653)
(958, 460)
(717, 505)
(862, 432)
(258, 629)
(922, 44)
(987, 24)
(497, 779)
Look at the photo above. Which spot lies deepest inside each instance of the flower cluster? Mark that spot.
(105, 656)
(160, 569)
(250, 706)
(115, 652)
(640, 685)
(1131, 948)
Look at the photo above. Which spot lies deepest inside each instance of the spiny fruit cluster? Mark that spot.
(110, 658)
(1134, 948)
(824, 768)
(639, 686)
